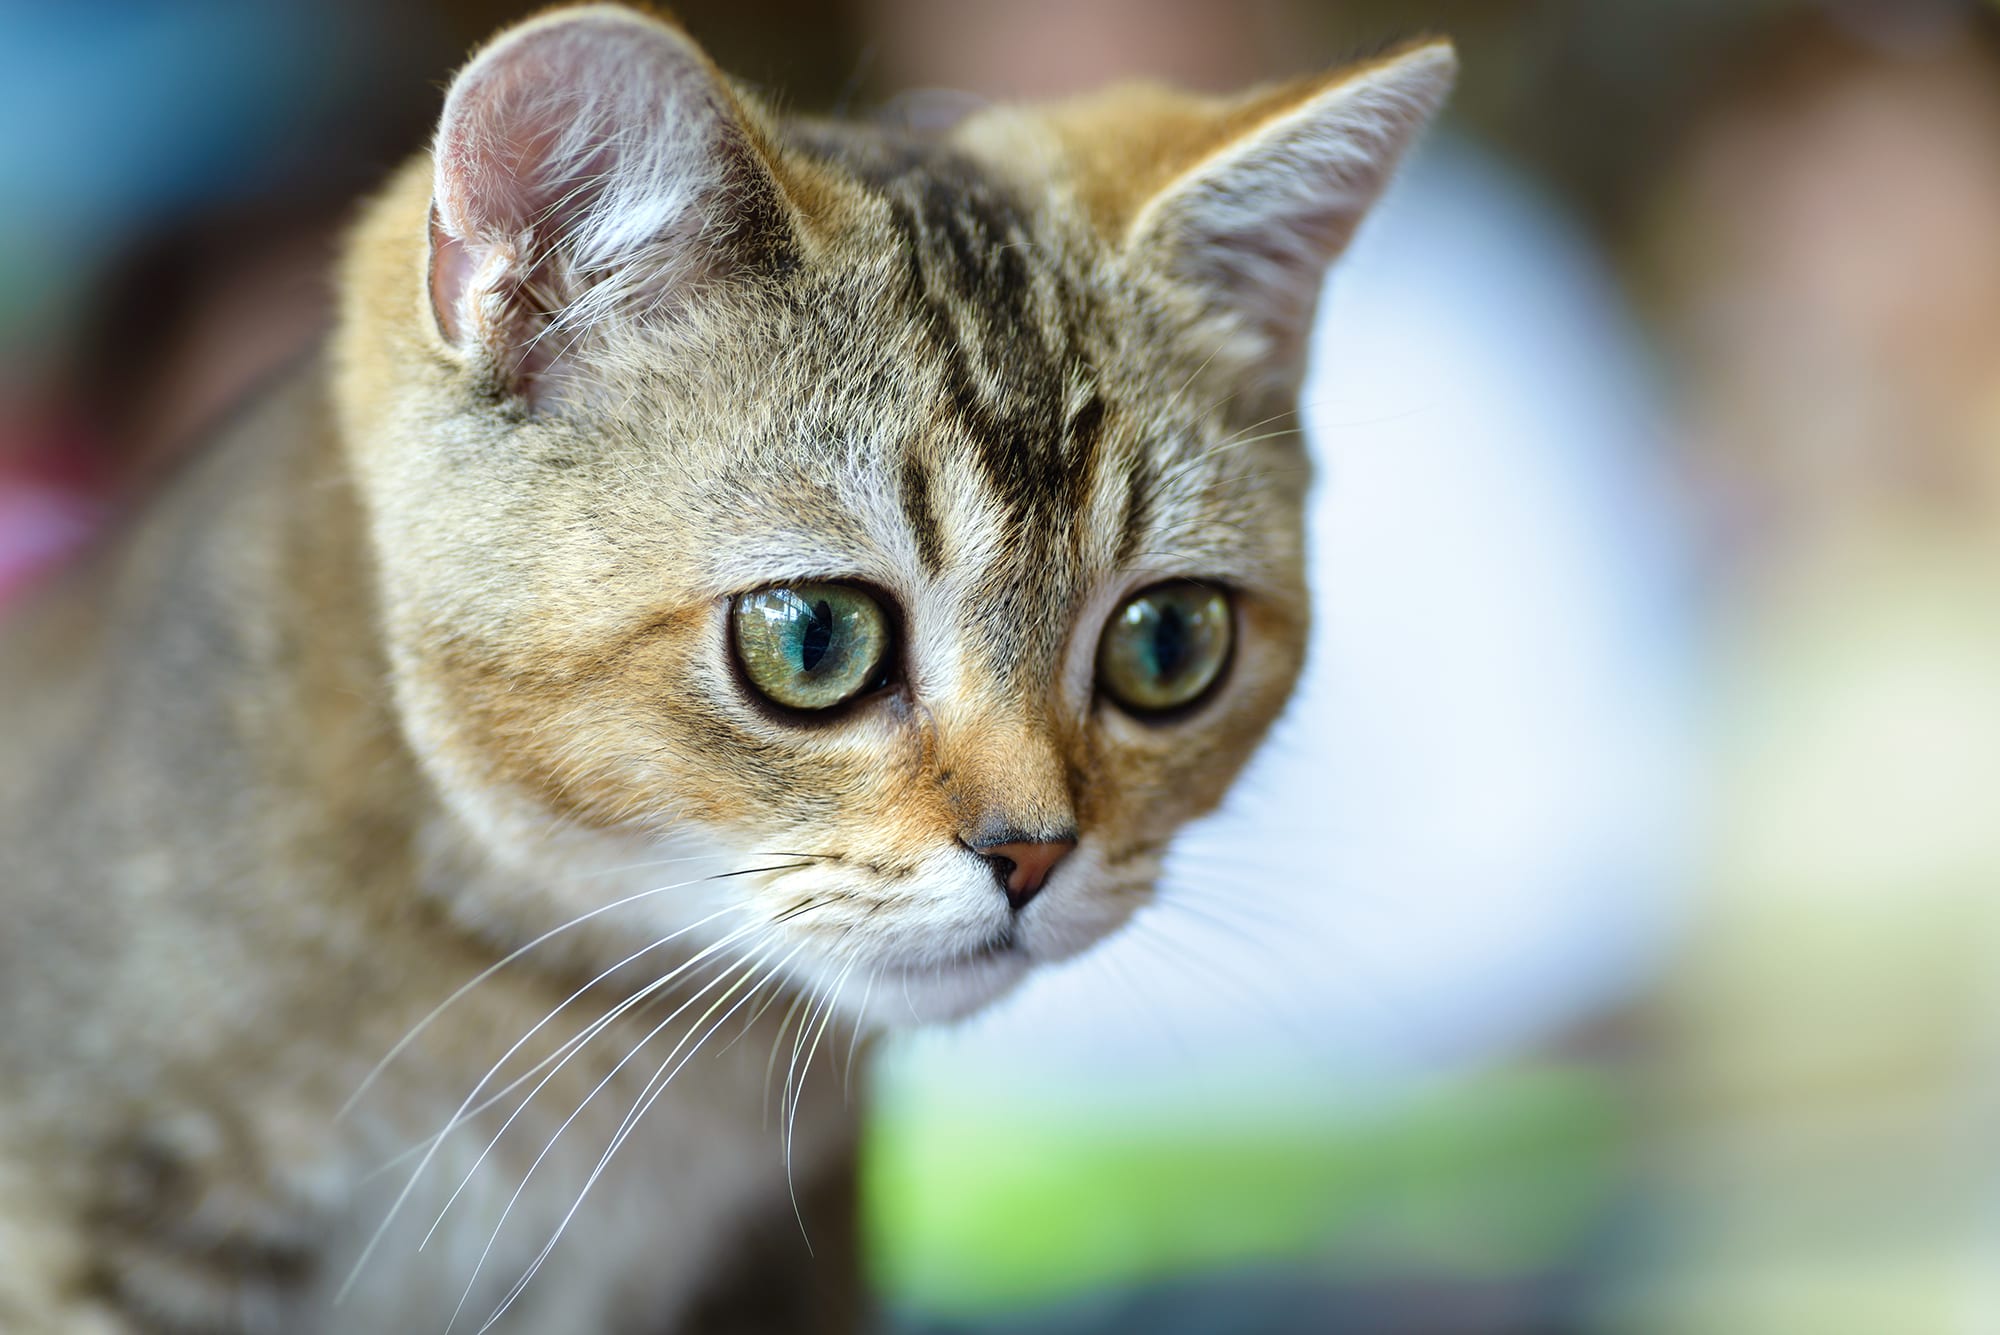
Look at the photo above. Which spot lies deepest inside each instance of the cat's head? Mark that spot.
(909, 520)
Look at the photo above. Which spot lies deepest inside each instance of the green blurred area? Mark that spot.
(974, 1209)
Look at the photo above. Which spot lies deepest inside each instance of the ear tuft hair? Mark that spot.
(590, 164)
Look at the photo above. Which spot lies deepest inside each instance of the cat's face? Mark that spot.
(911, 525)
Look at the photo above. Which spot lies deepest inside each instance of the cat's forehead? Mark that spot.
(999, 288)
(1007, 350)
(960, 395)
(972, 391)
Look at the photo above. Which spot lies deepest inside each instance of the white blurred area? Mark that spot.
(1473, 831)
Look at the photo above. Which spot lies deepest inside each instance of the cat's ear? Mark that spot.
(591, 165)
(1253, 222)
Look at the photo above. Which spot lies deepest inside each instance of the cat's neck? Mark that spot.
(216, 666)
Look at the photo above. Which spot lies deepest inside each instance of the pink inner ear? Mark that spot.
(476, 294)
(498, 149)
(596, 127)
(451, 277)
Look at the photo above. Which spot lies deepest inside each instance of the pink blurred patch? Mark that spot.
(52, 476)
(39, 526)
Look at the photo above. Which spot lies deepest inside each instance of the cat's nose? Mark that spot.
(1023, 865)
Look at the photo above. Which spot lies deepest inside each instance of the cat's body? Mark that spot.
(426, 665)
(174, 1059)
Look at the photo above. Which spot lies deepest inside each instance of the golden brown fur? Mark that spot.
(426, 661)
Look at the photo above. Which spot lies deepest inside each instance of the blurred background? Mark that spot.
(1609, 939)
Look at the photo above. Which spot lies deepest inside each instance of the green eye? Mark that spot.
(1165, 646)
(810, 646)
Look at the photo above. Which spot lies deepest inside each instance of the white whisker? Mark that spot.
(778, 1041)
(854, 1040)
(798, 1097)
(404, 1042)
(395, 1208)
(466, 1113)
(585, 1102)
(662, 1079)
(610, 1017)
(820, 994)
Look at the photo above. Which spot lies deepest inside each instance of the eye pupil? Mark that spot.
(818, 636)
(1170, 642)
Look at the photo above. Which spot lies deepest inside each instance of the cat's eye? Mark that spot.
(1165, 646)
(811, 645)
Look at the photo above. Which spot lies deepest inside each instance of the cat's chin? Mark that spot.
(941, 993)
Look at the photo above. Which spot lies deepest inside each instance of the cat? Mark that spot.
(731, 582)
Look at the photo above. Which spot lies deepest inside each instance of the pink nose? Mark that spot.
(1023, 866)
